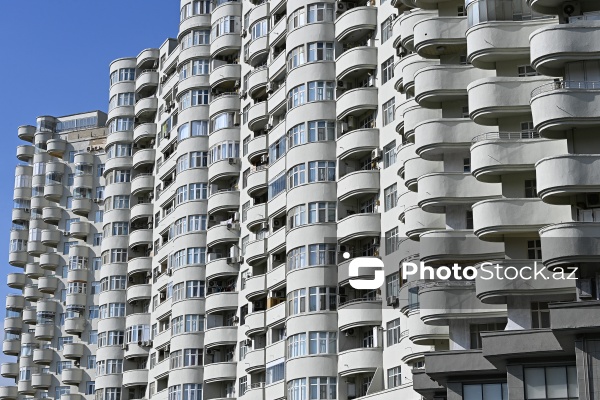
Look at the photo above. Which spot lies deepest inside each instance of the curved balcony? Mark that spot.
(355, 61)
(146, 80)
(220, 336)
(32, 293)
(79, 230)
(421, 334)
(494, 219)
(139, 292)
(258, 79)
(73, 350)
(52, 215)
(25, 153)
(72, 376)
(563, 105)
(44, 332)
(256, 215)
(51, 237)
(135, 377)
(255, 323)
(355, 24)
(140, 237)
(26, 133)
(258, 50)
(254, 360)
(255, 287)
(359, 312)
(75, 326)
(16, 280)
(221, 234)
(8, 392)
(490, 42)
(256, 251)
(570, 243)
(257, 116)
(53, 192)
(496, 153)
(224, 73)
(221, 301)
(15, 301)
(440, 35)
(223, 371)
(562, 176)
(444, 246)
(225, 45)
(142, 183)
(416, 167)
(359, 226)
(356, 101)
(18, 258)
(82, 206)
(360, 361)
(50, 261)
(145, 131)
(139, 265)
(257, 147)
(435, 137)
(407, 67)
(30, 316)
(43, 356)
(219, 268)
(47, 284)
(225, 200)
(223, 168)
(439, 83)
(499, 97)
(56, 147)
(356, 141)
(9, 370)
(407, 23)
(257, 181)
(357, 183)
(13, 324)
(441, 189)
(33, 270)
(441, 302)
(143, 157)
(11, 347)
(497, 289)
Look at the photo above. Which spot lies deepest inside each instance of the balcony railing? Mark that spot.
(558, 84)
(506, 136)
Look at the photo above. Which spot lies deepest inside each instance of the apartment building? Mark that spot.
(194, 242)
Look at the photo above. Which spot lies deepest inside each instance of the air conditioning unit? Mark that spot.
(232, 160)
(376, 241)
(263, 226)
(592, 199)
(268, 127)
(351, 121)
(392, 301)
(276, 223)
(349, 332)
(76, 363)
(269, 87)
(233, 226)
(169, 272)
(277, 257)
(248, 342)
(376, 154)
(236, 319)
(243, 33)
(345, 128)
(280, 294)
(343, 6)
(236, 84)
(236, 119)
(342, 85)
(243, 94)
(209, 351)
(571, 8)
(149, 274)
(212, 283)
(163, 296)
(125, 347)
(236, 217)
(148, 343)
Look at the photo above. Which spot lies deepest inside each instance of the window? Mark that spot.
(320, 90)
(391, 197)
(296, 216)
(224, 26)
(386, 30)
(277, 185)
(277, 149)
(296, 176)
(320, 12)
(224, 150)
(476, 329)
(259, 29)
(540, 315)
(296, 389)
(195, 38)
(222, 121)
(387, 70)
(486, 391)
(322, 342)
(322, 388)
(526, 70)
(296, 19)
(194, 98)
(275, 371)
(393, 332)
(534, 249)
(120, 202)
(322, 254)
(391, 241)
(243, 385)
(322, 299)
(389, 154)
(388, 111)
(321, 171)
(392, 287)
(297, 345)
(296, 258)
(320, 51)
(91, 362)
(551, 382)
(295, 57)
(394, 377)
(469, 219)
(296, 96)
(192, 129)
(297, 302)
(467, 164)
(530, 189)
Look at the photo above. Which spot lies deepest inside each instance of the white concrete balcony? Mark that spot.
(495, 219)
(139, 292)
(416, 167)
(72, 376)
(437, 36)
(491, 42)
(441, 302)
(563, 105)
(224, 73)
(220, 336)
(224, 102)
(497, 291)
(225, 44)
(257, 116)
(221, 301)
(16, 280)
(13, 324)
(56, 147)
(9, 370)
(569, 243)
(561, 176)
(359, 312)
(258, 50)
(141, 210)
(82, 206)
(146, 107)
(421, 334)
(408, 66)
(258, 80)
(33, 270)
(79, 230)
(15, 301)
(135, 377)
(139, 265)
(255, 323)
(30, 316)
(52, 215)
(495, 154)
(255, 287)
(146, 79)
(8, 392)
(407, 23)
(359, 226)
(73, 350)
(224, 200)
(449, 246)
(47, 284)
(554, 45)
(53, 192)
(356, 101)
(254, 360)
(43, 356)
(222, 371)
(440, 83)
(145, 131)
(257, 147)
(140, 237)
(43, 332)
(26, 133)
(142, 183)
(257, 182)
(75, 326)
(51, 237)
(50, 261)
(360, 361)
(355, 61)
(143, 157)
(435, 137)
(256, 251)
(357, 183)
(224, 168)
(220, 234)
(437, 190)
(355, 23)
(356, 141)
(494, 98)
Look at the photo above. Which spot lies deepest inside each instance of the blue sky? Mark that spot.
(55, 62)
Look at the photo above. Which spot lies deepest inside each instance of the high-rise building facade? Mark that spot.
(194, 243)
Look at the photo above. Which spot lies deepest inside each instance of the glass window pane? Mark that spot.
(472, 392)
(556, 382)
(535, 387)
